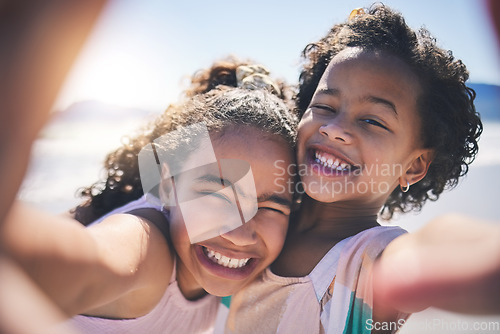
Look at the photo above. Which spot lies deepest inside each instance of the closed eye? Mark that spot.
(274, 210)
(215, 194)
(271, 202)
(376, 123)
(323, 107)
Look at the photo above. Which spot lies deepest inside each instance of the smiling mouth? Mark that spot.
(332, 162)
(223, 260)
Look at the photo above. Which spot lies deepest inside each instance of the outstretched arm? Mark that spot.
(91, 270)
(452, 263)
(39, 41)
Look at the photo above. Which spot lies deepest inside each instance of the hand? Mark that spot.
(452, 263)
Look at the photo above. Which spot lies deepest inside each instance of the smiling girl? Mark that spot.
(149, 266)
(387, 123)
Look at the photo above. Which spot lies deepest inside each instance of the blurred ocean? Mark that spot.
(71, 149)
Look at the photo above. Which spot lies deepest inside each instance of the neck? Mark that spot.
(315, 228)
(340, 220)
(190, 289)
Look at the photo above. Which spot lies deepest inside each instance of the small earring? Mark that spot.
(405, 189)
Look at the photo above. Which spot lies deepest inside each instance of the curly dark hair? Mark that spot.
(450, 124)
(212, 99)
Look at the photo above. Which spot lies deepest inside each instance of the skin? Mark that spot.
(105, 264)
(121, 267)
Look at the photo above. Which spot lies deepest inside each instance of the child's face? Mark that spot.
(222, 264)
(360, 133)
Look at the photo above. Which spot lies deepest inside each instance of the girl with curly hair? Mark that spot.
(217, 217)
(387, 123)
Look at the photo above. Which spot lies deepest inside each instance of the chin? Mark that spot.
(222, 290)
(318, 194)
(322, 197)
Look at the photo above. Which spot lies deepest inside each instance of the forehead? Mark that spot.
(383, 68)
(358, 74)
(262, 151)
(250, 142)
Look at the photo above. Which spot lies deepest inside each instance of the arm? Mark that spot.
(452, 263)
(39, 41)
(95, 270)
(21, 300)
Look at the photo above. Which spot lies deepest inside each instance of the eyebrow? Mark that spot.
(274, 198)
(262, 198)
(378, 100)
(370, 98)
(223, 183)
(328, 91)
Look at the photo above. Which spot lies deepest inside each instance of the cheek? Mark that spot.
(386, 158)
(177, 229)
(302, 138)
(306, 125)
(302, 131)
(273, 233)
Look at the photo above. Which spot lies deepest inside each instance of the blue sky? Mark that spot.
(140, 51)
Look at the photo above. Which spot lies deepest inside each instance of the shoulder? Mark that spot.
(155, 217)
(135, 239)
(138, 259)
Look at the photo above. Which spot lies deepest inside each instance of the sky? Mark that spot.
(141, 51)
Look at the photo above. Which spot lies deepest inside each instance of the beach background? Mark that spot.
(121, 81)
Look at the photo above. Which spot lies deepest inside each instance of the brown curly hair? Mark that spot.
(450, 124)
(212, 99)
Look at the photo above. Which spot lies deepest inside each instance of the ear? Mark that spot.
(418, 168)
(166, 188)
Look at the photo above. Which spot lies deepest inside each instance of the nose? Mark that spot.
(245, 235)
(337, 129)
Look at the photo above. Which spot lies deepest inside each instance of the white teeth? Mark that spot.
(328, 162)
(234, 263)
(224, 260)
